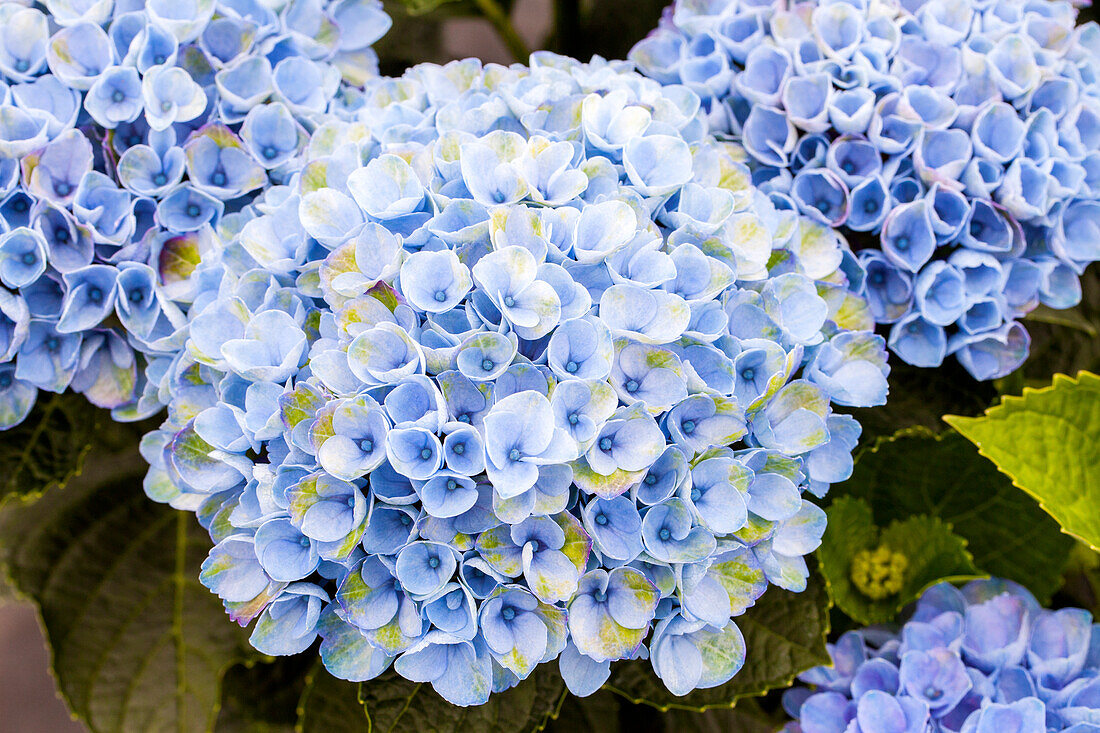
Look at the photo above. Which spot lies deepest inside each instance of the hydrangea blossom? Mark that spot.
(953, 142)
(518, 367)
(983, 659)
(131, 134)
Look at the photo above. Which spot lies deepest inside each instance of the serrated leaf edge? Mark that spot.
(1059, 380)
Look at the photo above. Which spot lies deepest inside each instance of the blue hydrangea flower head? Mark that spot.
(512, 366)
(978, 659)
(925, 132)
(134, 138)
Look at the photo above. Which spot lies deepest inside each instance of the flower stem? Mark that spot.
(496, 15)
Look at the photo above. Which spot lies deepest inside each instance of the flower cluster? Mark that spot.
(129, 133)
(954, 142)
(518, 367)
(986, 659)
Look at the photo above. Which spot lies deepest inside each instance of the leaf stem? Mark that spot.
(496, 15)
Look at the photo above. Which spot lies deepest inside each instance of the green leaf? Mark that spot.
(930, 550)
(49, 447)
(395, 704)
(137, 643)
(784, 635)
(262, 696)
(1047, 442)
(916, 472)
(330, 705)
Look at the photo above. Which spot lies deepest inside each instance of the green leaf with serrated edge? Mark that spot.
(921, 397)
(49, 447)
(1048, 442)
(784, 635)
(330, 705)
(137, 644)
(395, 705)
(262, 696)
(932, 553)
(917, 472)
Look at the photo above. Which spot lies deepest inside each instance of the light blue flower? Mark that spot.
(509, 278)
(614, 526)
(821, 195)
(649, 374)
(271, 134)
(268, 350)
(358, 443)
(104, 208)
(284, 553)
(769, 136)
(89, 297)
(25, 34)
(992, 354)
(701, 422)
(326, 509)
(414, 452)
(218, 164)
(58, 170)
(491, 168)
(115, 97)
(48, 98)
(171, 95)
(685, 654)
(611, 613)
(520, 435)
(289, 624)
(669, 536)
(186, 209)
(657, 164)
(79, 53)
(460, 671)
(20, 132)
(154, 168)
(23, 253)
(384, 354)
(629, 441)
(519, 631)
(852, 369)
(423, 568)
(455, 466)
(434, 282)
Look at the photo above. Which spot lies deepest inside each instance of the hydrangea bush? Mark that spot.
(983, 659)
(519, 367)
(954, 143)
(131, 133)
(485, 367)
